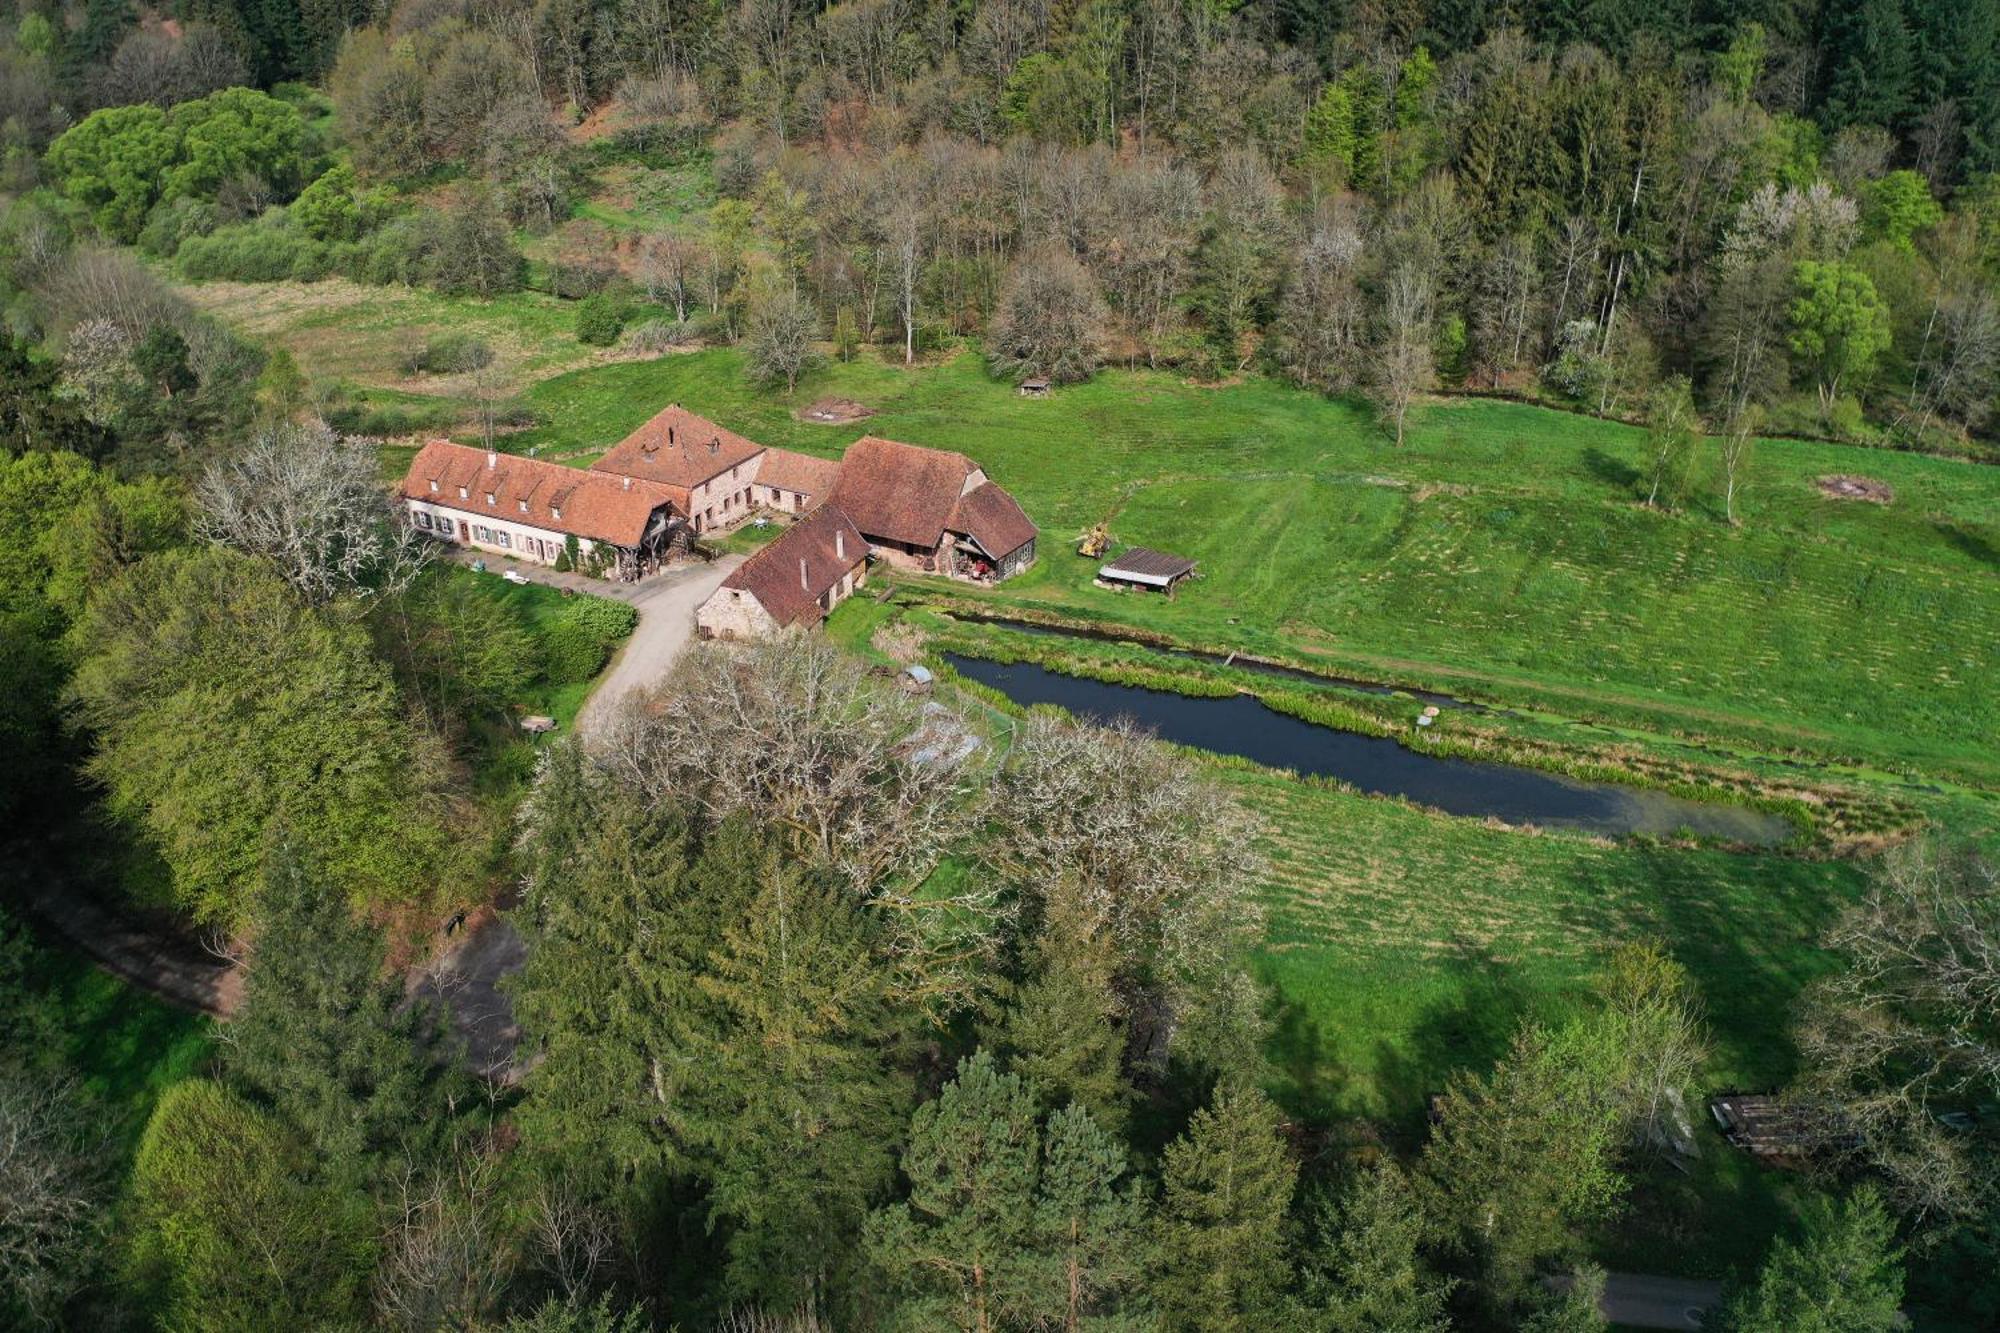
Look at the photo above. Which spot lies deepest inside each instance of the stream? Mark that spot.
(1241, 725)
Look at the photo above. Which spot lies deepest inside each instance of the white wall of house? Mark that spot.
(780, 499)
(492, 531)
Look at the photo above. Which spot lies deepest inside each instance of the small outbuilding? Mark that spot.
(1035, 388)
(796, 580)
(1143, 567)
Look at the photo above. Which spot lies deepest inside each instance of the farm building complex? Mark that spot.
(680, 475)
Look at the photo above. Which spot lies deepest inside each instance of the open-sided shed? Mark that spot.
(1143, 567)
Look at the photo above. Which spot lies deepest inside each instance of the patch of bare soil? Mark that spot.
(1843, 487)
(834, 411)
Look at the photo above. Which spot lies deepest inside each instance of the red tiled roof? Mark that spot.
(990, 517)
(677, 449)
(788, 577)
(789, 471)
(901, 492)
(591, 504)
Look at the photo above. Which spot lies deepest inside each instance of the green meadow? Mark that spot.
(1501, 553)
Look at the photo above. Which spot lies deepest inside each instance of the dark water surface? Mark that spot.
(1241, 725)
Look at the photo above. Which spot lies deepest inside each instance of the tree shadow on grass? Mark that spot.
(1468, 1029)
(1967, 542)
(1312, 1085)
(1614, 472)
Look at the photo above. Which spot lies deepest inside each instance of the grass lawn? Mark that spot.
(126, 1046)
(345, 331)
(1500, 553)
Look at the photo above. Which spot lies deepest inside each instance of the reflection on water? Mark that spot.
(1242, 725)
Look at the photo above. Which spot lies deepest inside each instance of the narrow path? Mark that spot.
(666, 604)
(168, 964)
(1644, 1300)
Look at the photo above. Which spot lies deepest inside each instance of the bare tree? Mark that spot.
(448, 1255)
(310, 502)
(906, 258)
(1050, 321)
(779, 343)
(1909, 1028)
(668, 267)
(1404, 364)
(577, 1239)
(1739, 438)
(1322, 322)
(1956, 362)
(51, 1189)
(863, 780)
(1140, 845)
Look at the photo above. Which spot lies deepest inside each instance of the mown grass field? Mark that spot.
(1501, 553)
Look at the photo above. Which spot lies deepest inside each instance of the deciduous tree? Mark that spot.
(310, 502)
(1050, 322)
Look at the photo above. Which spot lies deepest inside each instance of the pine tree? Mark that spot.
(1089, 1221)
(1219, 1240)
(1362, 1272)
(325, 1035)
(1843, 1275)
(797, 1108)
(953, 1250)
(1869, 63)
(1009, 1224)
(1065, 1032)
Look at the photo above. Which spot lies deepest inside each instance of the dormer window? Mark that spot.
(524, 506)
(554, 512)
(434, 487)
(461, 492)
(489, 497)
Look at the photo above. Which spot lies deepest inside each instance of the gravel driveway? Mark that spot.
(666, 604)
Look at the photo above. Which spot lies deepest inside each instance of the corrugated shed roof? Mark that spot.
(560, 499)
(989, 516)
(679, 449)
(1148, 566)
(788, 577)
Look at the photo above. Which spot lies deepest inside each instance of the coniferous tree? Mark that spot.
(1219, 1244)
(325, 1035)
(1843, 1275)
(1362, 1271)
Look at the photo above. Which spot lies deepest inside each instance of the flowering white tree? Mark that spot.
(310, 502)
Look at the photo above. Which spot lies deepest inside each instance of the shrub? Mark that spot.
(578, 644)
(171, 225)
(659, 335)
(448, 354)
(252, 252)
(599, 320)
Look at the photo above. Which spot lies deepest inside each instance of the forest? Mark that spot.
(811, 1035)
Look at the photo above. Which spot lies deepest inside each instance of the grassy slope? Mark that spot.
(1500, 552)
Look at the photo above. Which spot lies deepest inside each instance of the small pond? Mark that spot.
(1242, 725)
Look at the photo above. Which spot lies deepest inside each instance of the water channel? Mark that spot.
(1242, 725)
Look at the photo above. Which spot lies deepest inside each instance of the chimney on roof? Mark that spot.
(670, 435)
(839, 544)
(492, 458)
(714, 443)
(628, 483)
(802, 575)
